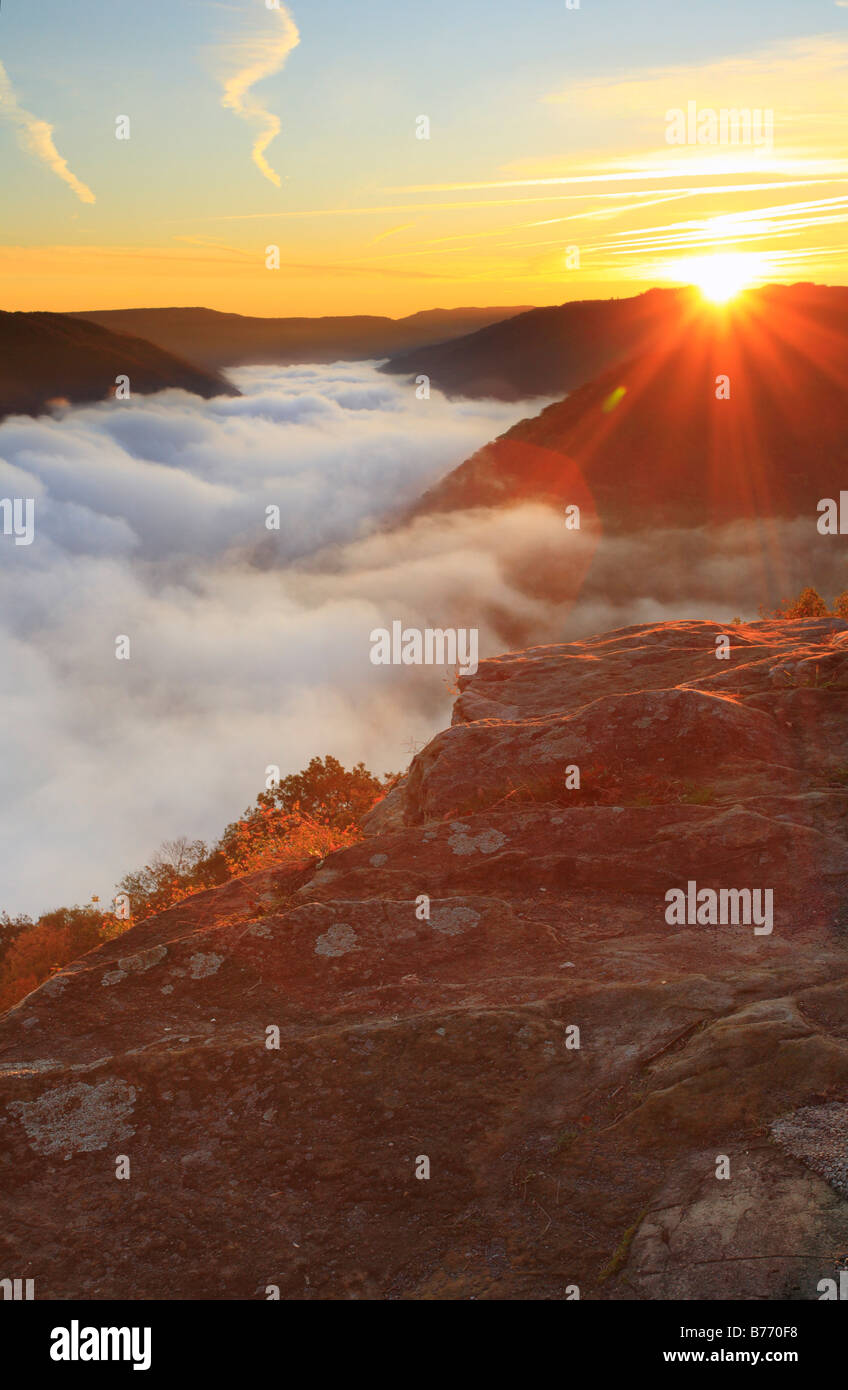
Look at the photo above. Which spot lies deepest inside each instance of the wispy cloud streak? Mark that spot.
(257, 52)
(36, 137)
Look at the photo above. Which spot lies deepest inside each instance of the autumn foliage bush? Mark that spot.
(269, 836)
(810, 604)
(31, 951)
(304, 816)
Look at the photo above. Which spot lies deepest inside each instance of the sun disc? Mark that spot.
(719, 277)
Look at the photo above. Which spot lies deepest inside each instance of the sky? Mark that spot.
(548, 173)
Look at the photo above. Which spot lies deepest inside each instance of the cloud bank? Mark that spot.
(251, 647)
(150, 521)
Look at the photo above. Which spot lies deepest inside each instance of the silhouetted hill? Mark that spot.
(544, 352)
(229, 340)
(547, 352)
(46, 357)
(650, 443)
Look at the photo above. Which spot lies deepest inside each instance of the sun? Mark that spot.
(720, 277)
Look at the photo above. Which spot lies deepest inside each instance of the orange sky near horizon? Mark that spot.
(624, 206)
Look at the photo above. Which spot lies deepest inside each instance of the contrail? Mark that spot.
(36, 136)
(241, 63)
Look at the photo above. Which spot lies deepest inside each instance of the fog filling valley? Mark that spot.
(251, 646)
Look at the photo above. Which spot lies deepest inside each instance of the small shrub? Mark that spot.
(808, 604)
(840, 605)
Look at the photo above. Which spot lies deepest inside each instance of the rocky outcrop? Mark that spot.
(278, 1058)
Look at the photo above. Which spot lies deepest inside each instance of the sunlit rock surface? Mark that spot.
(425, 984)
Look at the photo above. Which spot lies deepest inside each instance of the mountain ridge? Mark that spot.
(48, 357)
(738, 413)
(556, 349)
(216, 339)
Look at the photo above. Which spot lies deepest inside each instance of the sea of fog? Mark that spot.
(248, 646)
